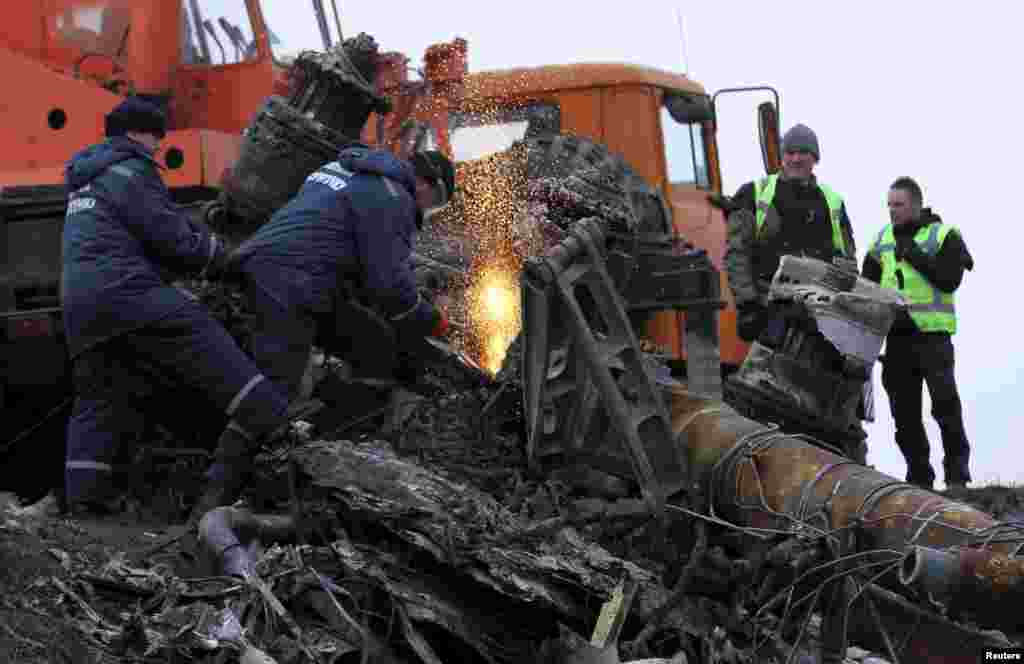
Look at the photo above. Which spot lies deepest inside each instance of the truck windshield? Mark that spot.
(475, 135)
(216, 32)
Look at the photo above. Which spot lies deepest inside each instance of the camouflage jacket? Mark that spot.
(751, 257)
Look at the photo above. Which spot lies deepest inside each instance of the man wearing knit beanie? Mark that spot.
(131, 333)
(136, 115)
(787, 213)
(784, 213)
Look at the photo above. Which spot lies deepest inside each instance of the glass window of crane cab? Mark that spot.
(216, 32)
(475, 135)
(684, 151)
(100, 28)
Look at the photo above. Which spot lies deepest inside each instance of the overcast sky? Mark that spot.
(923, 89)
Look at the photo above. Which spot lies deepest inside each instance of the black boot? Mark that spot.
(230, 472)
(957, 451)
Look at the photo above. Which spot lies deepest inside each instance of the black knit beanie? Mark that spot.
(138, 115)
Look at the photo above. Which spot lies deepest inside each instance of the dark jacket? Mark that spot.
(945, 270)
(798, 223)
(351, 222)
(122, 236)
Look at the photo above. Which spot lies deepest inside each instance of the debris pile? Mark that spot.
(320, 82)
(390, 558)
(331, 95)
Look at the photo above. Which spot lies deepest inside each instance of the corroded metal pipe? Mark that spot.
(760, 478)
(989, 585)
(768, 482)
(231, 537)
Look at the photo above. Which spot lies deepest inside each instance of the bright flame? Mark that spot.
(494, 313)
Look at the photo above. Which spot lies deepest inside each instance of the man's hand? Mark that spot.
(428, 278)
(750, 320)
(232, 270)
(905, 246)
(226, 265)
(792, 307)
(723, 203)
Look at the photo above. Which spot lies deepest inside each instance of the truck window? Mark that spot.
(216, 32)
(684, 149)
(475, 135)
(101, 28)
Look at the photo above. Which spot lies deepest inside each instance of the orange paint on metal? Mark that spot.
(65, 70)
(206, 155)
(557, 78)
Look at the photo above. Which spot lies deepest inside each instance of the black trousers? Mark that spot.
(910, 361)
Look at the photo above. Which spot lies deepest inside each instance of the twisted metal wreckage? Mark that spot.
(773, 527)
(593, 492)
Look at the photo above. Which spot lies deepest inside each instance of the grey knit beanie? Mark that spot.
(801, 137)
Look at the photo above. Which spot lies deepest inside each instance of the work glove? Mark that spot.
(750, 320)
(723, 203)
(232, 269)
(905, 246)
(428, 278)
(227, 267)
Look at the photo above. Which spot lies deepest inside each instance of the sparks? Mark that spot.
(495, 315)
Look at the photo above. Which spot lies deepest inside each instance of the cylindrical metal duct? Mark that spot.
(772, 483)
(986, 584)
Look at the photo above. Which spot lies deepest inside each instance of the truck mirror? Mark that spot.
(688, 108)
(767, 123)
(768, 132)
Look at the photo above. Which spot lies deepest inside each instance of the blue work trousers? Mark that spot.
(285, 329)
(187, 354)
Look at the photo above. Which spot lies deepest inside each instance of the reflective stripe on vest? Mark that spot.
(931, 309)
(764, 194)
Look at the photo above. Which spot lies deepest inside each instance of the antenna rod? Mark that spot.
(321, 19)
(682, 41)
(337, 21)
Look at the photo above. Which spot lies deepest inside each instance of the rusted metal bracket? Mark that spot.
(576, 333)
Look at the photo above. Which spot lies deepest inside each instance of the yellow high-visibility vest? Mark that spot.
(931, 309)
